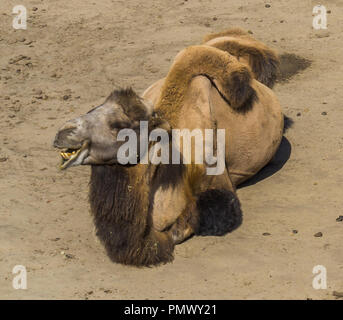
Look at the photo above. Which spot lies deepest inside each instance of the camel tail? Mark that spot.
(288, 123)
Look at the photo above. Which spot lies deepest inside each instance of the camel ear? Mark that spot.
(134, 106)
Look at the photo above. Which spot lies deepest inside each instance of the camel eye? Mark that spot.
(120, 125)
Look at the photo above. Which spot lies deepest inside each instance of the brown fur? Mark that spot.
(121, 203)
(192, 180)
(119, 199)
(263, 61)
(232, 78)
(131, 102)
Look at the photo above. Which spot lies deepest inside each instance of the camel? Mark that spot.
(141, 211)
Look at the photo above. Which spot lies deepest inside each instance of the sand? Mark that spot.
(70, 57)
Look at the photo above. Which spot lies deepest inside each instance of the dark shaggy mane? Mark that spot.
(120, 210)
(219, 212)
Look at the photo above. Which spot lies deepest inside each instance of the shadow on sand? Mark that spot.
(290, 65)
(279, 160)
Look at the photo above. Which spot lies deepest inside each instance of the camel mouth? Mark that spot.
(73, 157)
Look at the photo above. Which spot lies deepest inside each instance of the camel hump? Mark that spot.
(263, 60)
(231, 77)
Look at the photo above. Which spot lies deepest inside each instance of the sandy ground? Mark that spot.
(69, 59)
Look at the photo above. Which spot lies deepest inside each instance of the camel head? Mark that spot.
(91, 139)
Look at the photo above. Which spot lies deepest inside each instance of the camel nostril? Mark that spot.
(62, 136)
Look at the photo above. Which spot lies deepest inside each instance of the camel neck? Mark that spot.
(119, 200)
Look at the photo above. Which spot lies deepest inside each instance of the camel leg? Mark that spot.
(185, 224)
(214, 211)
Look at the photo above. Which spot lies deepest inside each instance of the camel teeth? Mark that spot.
(64, 155)
(68, 155)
